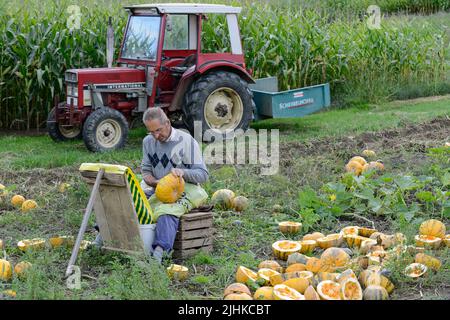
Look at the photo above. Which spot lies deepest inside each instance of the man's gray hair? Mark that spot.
(153, 114)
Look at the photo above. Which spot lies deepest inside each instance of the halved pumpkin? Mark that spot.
(350, 230)
(313, 236)
(375, 292)
(177, 272)
(351, 290)
(433, 228)
(308, 246)
(334, 259)
(329, 290)
(295, 267)
(415, 270)
(299, 284)
(265, 274)
(322, 276)
(289, 227)
(238, 296)
(354, 241)
(366, 232)
(331, 240)
(284, 292)
(282, 277)
(428, 241)
(283, 248)
(347, 274)
(236, 288)
(244, 274)
(311, 294)
(271, 264)
(297, 257)
(264, 293)
(366, 245)
(32, 244)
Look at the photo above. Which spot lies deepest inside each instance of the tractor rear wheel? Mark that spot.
(105, 129)
(222, 102)
(61, 133)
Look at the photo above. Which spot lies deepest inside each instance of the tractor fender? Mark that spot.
(191, 75)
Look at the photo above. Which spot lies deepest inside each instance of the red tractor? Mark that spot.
(161, 64)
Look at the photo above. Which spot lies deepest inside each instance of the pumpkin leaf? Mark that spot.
(406, 182)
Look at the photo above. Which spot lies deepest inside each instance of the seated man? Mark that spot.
(168, 150)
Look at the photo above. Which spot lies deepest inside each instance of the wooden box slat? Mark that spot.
(108, 179)
(183, 254)
(198, 224)
(193, 243)
(196, 216)
(193, 234)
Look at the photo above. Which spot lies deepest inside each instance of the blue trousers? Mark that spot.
(165, 232)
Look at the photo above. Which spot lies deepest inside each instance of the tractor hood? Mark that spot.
(124, 76)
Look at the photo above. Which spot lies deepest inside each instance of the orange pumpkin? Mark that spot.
(354, 241)
(429, 261)
(295, 267)
(311, 294)
(415, 270)
(314, 265)
(350, 230)
(5, 270)
(223, 198)
(244, 274)
(334, 259)
(446, 240)
(354, 167)
(265, 274)
(21, 269)
(329, 290)
(428, 241)
(300, 284)
(351, 290)
(270, 264)
(331, 240)
(283, 248)
(17, 200)
(308, 246)
(263, 293)
(170, 188)
(282, 277)
(313, 236)
(236, 288)
(358, 159)
(239, 203)
(289, 227)
(284, 292)
(366, 232)
(433, 228)
(238, 296)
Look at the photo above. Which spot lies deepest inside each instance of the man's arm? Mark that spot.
(198, 173)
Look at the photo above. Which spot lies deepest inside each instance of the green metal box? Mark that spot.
(293, 103)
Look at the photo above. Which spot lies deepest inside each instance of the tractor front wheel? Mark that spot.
(221, 102)
(105, 129)
(61, 133)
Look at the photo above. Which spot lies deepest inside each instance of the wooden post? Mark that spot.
(85, 221)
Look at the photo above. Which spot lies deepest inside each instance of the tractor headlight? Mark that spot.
(71, 76)
(72, 90)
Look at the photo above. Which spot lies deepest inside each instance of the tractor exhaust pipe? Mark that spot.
(110, 43)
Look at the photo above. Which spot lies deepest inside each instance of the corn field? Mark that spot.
(301, 42)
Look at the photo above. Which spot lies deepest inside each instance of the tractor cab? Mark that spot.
(161, 63)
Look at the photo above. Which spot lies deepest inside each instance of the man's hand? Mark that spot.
(177, 172)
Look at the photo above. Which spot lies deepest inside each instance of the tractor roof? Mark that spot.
(185, 8)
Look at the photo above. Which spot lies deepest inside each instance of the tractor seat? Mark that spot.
(188, 62)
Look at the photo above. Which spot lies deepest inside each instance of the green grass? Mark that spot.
(313, 151)
(355, 120)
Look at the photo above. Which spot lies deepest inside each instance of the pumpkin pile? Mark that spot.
(349, 265)
(357, 164)
(226, 199)
(17, 201)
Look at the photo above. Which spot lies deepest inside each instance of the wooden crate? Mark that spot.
(194, 234)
